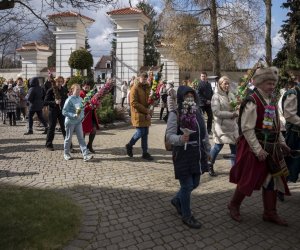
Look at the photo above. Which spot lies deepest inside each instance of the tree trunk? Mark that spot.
(268, 42)
(215, 38)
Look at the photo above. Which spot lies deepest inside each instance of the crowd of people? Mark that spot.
(52, 102)
(263, 154)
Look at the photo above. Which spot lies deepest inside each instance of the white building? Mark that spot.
(130, 31)
(103, 69)
(34, 59)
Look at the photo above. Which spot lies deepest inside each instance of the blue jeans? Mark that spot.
(141, 132)
(294, 165)
(187, 185)
(70, 128)
(216, 150)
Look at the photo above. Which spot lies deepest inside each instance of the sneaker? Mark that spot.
(28, 132)
(67, 157)
(176, 203)
(147, 156)
(87, 158)
(191, 222)
(129, 150)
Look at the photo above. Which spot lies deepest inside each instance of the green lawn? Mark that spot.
(36, 219)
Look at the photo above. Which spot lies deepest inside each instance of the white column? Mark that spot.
(70, 36)
(130, 45)
(171, 68)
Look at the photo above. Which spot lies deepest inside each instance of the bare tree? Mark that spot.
(18, 23)
(236, 24)
(268, 44)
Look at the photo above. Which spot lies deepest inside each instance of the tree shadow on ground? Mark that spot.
(20, 140)
(144, 218)
(7, 173)
(17, 148)
(4, 157)
(136, 151)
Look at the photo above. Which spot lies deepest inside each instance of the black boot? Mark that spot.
(161, 113)
(90, 143)
(129, 150)
(211, 170)
(280, 196)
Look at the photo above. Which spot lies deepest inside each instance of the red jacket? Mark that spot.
(89, 115)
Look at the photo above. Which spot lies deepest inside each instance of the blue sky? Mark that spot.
(99, 33)
(278, 16)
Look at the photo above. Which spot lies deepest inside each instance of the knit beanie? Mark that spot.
(264, 74)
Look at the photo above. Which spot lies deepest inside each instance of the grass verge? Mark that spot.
(36, 219)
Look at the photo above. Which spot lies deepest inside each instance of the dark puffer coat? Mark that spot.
(193, 160)
(35, 95)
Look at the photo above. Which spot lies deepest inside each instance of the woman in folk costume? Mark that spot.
(260, 149)
(90, 122)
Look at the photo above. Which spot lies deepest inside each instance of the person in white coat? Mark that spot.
(124, 88)
(225, 129)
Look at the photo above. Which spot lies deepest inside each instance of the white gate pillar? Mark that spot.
(70, 35)
(130, 30)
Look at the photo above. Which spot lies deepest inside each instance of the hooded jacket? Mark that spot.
(139, 94)
(225, 127)
(35, 96)
(193, 160)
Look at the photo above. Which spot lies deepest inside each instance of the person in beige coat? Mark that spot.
(225, 129)
(140, 115)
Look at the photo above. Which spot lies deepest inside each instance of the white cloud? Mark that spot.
(277, 41)
(100, 32)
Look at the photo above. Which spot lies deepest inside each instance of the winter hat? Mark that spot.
(264, 74)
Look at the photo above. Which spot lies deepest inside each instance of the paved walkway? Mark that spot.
(127, 200)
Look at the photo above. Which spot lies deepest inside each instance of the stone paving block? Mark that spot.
(79, 243)
(72, 248)
(146, 245)
(131, 196)
(158, 248)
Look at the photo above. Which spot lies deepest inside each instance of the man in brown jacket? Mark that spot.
(140, 115)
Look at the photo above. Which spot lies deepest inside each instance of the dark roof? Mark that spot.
(101, 64)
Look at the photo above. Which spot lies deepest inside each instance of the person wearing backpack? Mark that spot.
(190, 152)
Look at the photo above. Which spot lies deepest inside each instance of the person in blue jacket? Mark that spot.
(74, 113)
